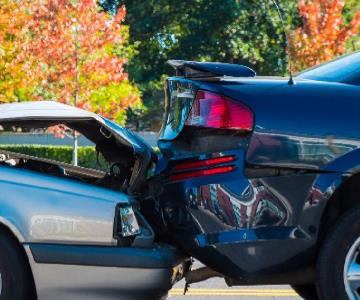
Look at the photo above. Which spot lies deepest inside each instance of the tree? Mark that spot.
(324, 33)
(13, 81)
(68, 51)
(246, 32)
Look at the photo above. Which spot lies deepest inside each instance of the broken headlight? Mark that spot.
(128, 224)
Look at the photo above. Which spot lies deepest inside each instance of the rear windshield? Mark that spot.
(345, 69)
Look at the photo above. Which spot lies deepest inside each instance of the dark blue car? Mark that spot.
(263, 176)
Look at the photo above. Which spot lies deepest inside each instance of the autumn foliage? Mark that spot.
(65, 50)
(323, 34)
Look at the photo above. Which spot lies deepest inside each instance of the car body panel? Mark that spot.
(254, 232)
(68, 218)
(232, 223)
(49, 209)
(301, 140)
(307, 139)
(63, 280)
(51, 110)
(267, 217)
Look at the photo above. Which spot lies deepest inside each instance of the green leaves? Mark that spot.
(245, 32)
(87, 154)
(68, 51)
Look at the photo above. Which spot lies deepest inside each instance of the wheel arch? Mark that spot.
(344, 198)
(12, 229)
(6, 228)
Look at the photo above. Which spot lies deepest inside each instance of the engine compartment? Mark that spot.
(113, 179)
(117, 163)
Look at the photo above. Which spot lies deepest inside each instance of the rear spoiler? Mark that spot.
(209, 70)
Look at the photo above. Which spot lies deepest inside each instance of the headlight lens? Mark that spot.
(129, 223)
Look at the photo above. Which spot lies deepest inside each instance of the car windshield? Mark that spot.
(345, 69)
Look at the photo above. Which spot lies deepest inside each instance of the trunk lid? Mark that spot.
(180, 91)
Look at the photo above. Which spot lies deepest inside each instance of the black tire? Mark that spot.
(307, 292)
(332, 256)
(14, 270)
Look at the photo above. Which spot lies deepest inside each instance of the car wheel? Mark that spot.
(306, 291)
(338, 266)
(15, 282)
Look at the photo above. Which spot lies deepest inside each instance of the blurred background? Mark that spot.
(109, 56)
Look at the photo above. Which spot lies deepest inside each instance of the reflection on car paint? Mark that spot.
(50, 227)
(254, 206)
(297, 150)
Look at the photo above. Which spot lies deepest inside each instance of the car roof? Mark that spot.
(43, 110)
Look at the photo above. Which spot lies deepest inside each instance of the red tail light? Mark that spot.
(193, 174)
(204, 163)
(211, 164)
(216, 111)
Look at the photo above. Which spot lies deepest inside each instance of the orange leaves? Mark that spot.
(63, 50)
(12, 79)
(323, 34)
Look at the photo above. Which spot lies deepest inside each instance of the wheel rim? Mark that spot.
(352, 271)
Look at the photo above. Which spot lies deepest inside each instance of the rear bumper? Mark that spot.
(240, 225)
(86, 272)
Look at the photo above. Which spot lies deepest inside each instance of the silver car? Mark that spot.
(70, 232)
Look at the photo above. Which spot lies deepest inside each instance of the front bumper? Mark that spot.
(92, 272)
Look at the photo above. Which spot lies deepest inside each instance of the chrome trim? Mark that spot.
(352, 271)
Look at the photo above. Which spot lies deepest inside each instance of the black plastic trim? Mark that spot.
(194, 69)
(154, 258)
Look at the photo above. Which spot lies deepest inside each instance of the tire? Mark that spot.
(16, 284)
(307, 292)
(335, 251)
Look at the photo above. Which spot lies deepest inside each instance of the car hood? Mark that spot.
(47, 110)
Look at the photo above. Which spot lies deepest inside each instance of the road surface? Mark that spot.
(217, 289)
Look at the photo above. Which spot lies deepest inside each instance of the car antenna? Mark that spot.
(287, 37)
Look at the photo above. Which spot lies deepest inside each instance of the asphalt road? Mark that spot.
(217, 289)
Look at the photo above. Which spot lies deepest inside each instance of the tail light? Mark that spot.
(206, 167)
(200, 173)
(216, 111)
(204, 163)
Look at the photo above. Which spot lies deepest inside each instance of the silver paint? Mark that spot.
(352, 272)
(43, 208)
(63, 282)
